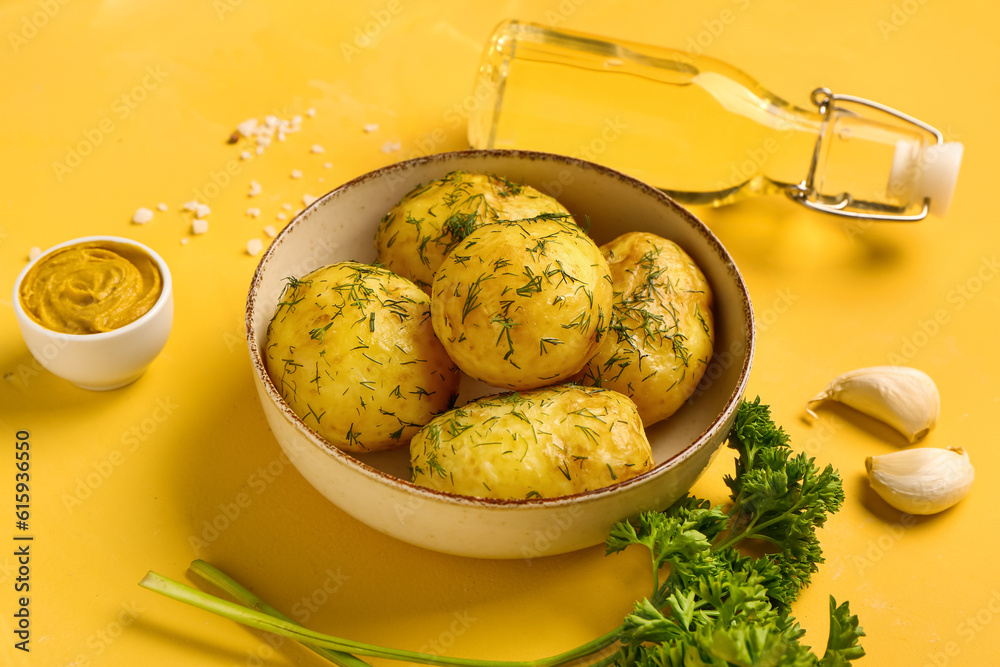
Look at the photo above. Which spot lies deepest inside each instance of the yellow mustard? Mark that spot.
(91, 287)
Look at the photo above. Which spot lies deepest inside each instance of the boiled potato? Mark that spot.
(661, 334)
(416, 234)
(548, 442)
(520, 305)
(352, 351)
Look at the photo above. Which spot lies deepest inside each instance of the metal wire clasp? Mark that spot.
(844, 204)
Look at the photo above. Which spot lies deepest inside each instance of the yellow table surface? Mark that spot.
(133, 479)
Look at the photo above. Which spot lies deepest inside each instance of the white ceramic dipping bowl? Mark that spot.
(375, 489)
(106, 360)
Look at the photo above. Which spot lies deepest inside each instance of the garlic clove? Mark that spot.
(922, 480)
(905, 398)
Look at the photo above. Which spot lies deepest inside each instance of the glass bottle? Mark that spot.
(702, 130)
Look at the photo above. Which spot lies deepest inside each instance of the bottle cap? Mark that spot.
(921, 171)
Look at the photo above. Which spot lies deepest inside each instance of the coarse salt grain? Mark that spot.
(245, 155)
(328, 165)
(296, 173)
(247, 127)
(161, 207)
(310, 112)
(253, 212)
(270, 231)
(142, 216)
(255, 189)
(199, 226)
(308, 199)
(281, 216)
(254, 246)
(202, 210)
(316, 148)
(33, 253)
(191, 205)
(286, 206)
(391, 146)
(371, 127)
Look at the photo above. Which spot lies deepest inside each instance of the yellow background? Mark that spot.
(122, 481)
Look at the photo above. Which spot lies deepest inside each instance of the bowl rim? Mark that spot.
(593, 495)
(166, 292)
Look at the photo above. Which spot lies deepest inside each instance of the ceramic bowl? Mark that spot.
(375, 489)
(107, 360)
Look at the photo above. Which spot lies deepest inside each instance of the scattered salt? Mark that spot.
(254, 246)
(201, 211)
(253, 212)
(328, 165)
(142, 216)
(296, 173)
(270, 231)
(33, 253)
(308, 199)
(199, 226)
(281, 216)
(255, 189)
(310, 112)
(161, 207)
(247, 127)
(245, 155)
(316, 148)
(391, 146)
(286, 206)
(371, 127)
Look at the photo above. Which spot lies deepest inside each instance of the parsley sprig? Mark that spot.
(710, 606)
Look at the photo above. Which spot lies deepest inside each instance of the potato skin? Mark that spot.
(352, 351)
(662, 332)
(520, 305)
(549, 442)
(416, 234)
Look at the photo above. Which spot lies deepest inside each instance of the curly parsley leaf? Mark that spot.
(717, 607)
